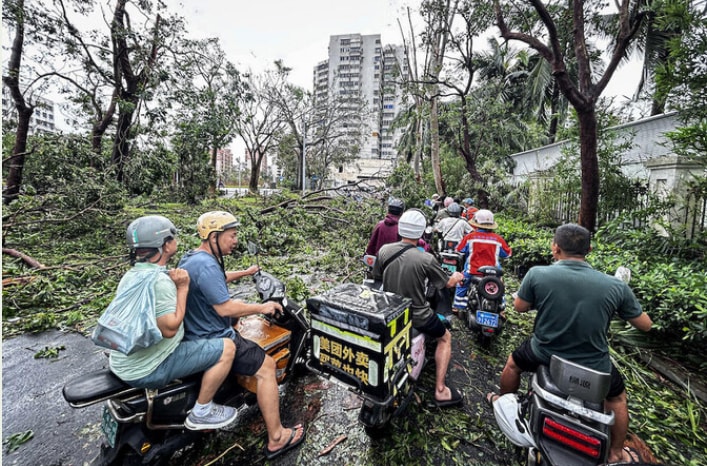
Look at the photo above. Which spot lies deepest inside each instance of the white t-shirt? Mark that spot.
(454, 228)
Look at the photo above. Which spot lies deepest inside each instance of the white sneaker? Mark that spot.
(219, 416)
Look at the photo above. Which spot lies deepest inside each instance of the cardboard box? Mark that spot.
(360, 336)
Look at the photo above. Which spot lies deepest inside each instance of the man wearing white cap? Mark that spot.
(408, 271)
(480, 247)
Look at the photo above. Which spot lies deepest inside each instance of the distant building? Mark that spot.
(42, 120)
(359, 66)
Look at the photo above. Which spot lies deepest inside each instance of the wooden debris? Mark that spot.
(331, 446)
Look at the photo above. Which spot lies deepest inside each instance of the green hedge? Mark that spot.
(672, 290)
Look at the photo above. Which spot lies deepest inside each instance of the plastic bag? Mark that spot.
(129, 324)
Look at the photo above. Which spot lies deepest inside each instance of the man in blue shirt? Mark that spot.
(212, 313)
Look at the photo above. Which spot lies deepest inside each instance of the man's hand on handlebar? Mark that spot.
(455, 279)
(271, 308)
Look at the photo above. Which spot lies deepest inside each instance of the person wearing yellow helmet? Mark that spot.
(212, 313)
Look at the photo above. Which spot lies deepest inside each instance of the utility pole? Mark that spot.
(304, 150)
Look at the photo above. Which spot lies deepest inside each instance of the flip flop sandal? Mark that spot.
(454, 401)
(291, 443)
(491, 397)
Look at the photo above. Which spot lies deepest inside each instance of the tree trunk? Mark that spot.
(121, 146)
(590, 168)
(254, 176)
(434, 143)
(469, 157)
(554, 109)
(24, 111)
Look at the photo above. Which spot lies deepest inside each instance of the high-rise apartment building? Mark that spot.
(360, 67)
(42, 120)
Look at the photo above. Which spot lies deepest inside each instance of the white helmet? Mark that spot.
(412, 224)
(506, 408)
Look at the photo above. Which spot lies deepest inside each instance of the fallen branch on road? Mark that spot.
(35, 264)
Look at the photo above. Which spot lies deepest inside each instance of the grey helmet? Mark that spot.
(396, 206)
(454, 209)
(150, 231)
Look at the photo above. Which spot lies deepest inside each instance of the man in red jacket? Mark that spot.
(480, 247)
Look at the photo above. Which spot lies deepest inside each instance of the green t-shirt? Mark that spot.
(144, 361)
(575, 305)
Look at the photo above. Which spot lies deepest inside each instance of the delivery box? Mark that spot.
(360, 336)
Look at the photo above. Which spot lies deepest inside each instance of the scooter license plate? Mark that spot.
(450, 267)
(109, 426)
(487, 319)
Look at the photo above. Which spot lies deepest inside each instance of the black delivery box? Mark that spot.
(360, 336)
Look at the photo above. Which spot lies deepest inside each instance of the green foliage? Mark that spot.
(530, 244)
(14, 441)
(150, 170)
(404, 185)
(49, 353)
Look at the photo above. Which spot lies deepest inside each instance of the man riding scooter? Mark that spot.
(575, 304)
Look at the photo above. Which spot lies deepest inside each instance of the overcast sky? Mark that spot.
(258, 32)
(254, 34)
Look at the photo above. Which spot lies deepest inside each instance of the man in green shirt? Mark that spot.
(575, 305)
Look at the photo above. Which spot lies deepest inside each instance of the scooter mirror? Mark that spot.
(252, 248)
(623, 274)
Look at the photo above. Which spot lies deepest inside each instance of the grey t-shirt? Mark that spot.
(408, 275)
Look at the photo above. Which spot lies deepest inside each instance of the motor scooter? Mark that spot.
(357, 336)
(485, 304)
(146, 426)
(451, 260)
(561, 419)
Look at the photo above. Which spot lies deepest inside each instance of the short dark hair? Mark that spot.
(573, 239)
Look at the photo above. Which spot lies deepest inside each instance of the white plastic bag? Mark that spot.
(128, 324)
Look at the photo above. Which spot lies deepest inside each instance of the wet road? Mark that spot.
(32, 400)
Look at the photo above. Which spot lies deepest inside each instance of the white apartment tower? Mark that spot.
(359, 66)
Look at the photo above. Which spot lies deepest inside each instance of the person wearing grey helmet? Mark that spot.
(152, 241)
(469, 209)
(454, 227)
(406, 270)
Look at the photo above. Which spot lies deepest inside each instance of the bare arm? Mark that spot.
(169, 323)
(521, 305)
(235, 308)
(454, 279)
(237, 274)
(642, 322)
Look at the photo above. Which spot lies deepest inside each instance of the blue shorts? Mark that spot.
(433, 327)
(190, 357)
(527, 361)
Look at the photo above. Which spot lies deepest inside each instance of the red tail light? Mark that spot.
(572, 438)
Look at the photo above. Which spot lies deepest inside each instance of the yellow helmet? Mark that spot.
(217, 221)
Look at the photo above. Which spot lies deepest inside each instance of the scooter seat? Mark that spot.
(545, 381)
(94, 387)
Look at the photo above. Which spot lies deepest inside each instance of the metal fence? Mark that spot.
(688, 215)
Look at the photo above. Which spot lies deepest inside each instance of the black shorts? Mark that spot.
(527, 361)
(249, 356)
(433, 327)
